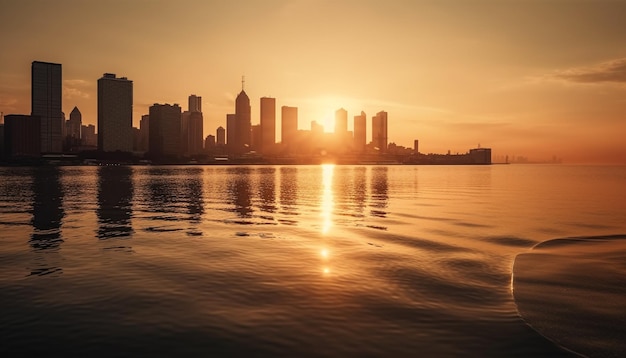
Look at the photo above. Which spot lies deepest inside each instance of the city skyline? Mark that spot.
(526, 78)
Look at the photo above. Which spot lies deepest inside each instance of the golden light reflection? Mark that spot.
(324, 253)
(327, 197)
(326, 270)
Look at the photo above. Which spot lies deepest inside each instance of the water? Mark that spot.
(311, 260)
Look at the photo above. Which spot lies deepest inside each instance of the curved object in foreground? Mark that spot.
(573, 291)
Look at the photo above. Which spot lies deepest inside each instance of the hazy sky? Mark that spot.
(525, 77)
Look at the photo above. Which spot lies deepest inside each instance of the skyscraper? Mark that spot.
(360, 132)
(379, 131)
(22, 136)
(341, 122)
(289, 126)
(115, 114)
(144, 133)
(195, 103)
(231, 132)
(74, 123)
(268, 124)
(243, 123)
(164, 131)
(46, 93)
(221, 136)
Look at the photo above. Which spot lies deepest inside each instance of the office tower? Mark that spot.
(46, 93)
(195, 103)
(221, 136)
(164, 131)
(144, 133)
(74, 124)
(136, 138)
(243, 123)
(360, 132)
(22, 136)
(209, 142)
(231, 132)
(379, 131)
(89, 136)
(194, 131)
(289, 126)
(341, 123)
(268, 125)
(115, 114)
(416, 143)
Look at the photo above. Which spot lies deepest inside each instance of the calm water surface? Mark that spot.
(306, 260)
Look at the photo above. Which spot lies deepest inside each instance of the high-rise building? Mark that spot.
(221, 136)
(209, 142)
(164, 131)
(379, 131)
(341, 122)
(46, 94)
(243, 123)
(268, 125)
(88, 135)
(115, 114)
(360, 132)
(144, 133)
(74, 124)
(195, 103)
(192, 127)
(22, 136)
(231, 132)
(289, 126)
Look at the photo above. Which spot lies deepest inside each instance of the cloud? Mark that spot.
(612, 71)
(77, 89)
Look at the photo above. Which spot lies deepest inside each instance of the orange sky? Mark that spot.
(532, 78)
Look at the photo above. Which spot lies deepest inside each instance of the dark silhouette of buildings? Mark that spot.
(22, 136)
(243, 124)
(221, 136)
(379, 131)
(72, 140)
(46, 95)
(144, 133)
(289, 127)
(165, 131)
(192, 127)
(115, 114)
(231, 132)
(268, 125)
(360, 132)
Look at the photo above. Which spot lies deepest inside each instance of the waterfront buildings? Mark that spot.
(289, 127)
(243, 124)
(46, 87)
(379, 131)
(144, 133)
(360, 132)
(164, 142)
(231, 133)
(221, 136)
(192, 135)
(268, 125)
(115, 113)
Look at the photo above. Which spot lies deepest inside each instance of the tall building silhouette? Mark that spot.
(115, 114)
(221, 136)
(46, 94)
(379, 131)
(73, 124)
(360, 132)
(289, 126)
(88, 135)
(144, 133)
(192, 127)
(195, 103)
(243, 124)
(165, 126)
(268, 124)
(231, 132)
(341, 122)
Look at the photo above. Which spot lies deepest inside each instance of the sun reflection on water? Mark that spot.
(327, 197)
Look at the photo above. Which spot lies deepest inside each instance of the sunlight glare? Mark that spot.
(327, 197)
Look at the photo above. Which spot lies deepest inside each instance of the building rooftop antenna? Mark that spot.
(243, 82)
